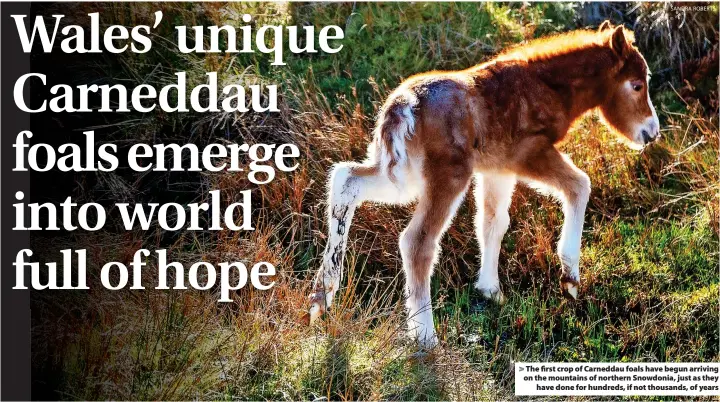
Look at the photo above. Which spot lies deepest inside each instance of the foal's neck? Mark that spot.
(579, 77)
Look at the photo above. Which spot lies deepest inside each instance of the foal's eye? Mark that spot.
(637, 86)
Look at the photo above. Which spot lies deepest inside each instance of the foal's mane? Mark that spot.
(560, 44)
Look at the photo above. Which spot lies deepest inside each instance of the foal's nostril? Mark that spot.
(646, 137)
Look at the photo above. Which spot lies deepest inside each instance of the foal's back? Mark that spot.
(488, 114)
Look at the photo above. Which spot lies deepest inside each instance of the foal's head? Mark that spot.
(627, 108)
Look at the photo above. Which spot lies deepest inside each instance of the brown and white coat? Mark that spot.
(496, 123)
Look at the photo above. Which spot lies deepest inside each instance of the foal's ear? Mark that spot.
(605, 26)
(618, 43)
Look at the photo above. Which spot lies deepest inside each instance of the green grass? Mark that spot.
(650, 288)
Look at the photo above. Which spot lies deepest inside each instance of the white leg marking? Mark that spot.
(346, 192)
(574, 205)
(493, 194)
(420, 319)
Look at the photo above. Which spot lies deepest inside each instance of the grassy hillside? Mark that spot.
(650, 286)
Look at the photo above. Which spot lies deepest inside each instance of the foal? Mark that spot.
(498, 122)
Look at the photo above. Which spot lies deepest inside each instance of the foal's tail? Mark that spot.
(395, 125)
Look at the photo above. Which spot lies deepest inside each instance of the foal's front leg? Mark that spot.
(551, 168)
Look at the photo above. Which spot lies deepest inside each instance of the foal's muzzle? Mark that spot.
(650, 132)
(647, 138)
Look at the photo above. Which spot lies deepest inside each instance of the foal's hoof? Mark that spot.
(424, 344)
(428, 343)
(419, 356)
(317, 306)
(569, 287)
(495, 294)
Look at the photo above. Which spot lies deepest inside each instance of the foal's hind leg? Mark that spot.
(346, 190)
(419, 247)
(350, 184)
(493, 194)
